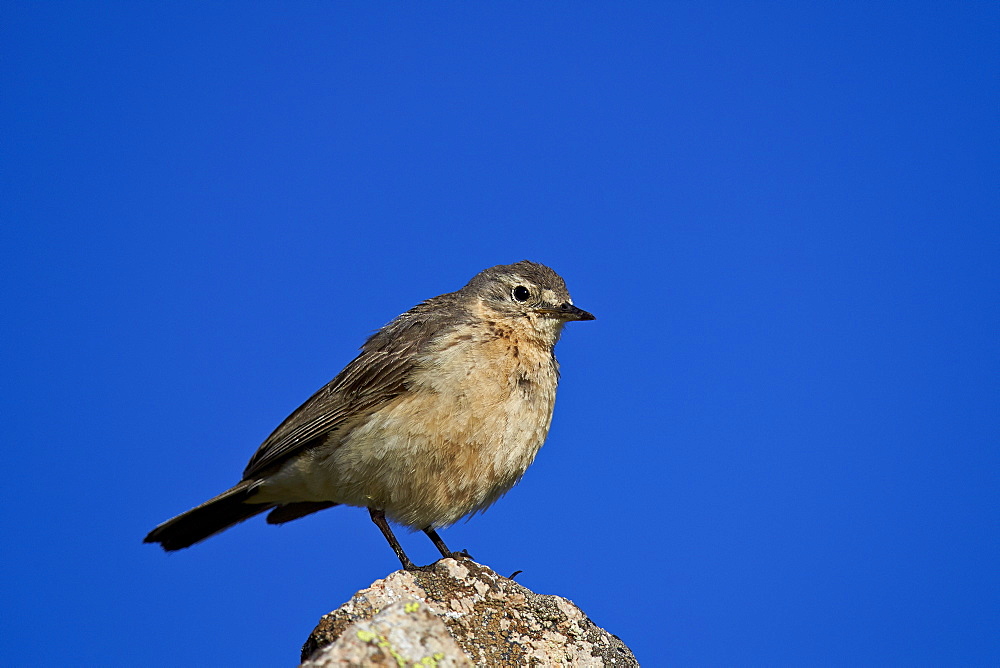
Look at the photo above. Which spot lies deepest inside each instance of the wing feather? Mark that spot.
(380, 373)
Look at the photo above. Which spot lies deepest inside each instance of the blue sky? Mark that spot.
(777, 444)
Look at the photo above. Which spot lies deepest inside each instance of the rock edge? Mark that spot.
(492, 619)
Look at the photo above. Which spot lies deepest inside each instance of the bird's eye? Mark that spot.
(521, 293)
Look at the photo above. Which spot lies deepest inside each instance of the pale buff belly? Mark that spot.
(450, 447)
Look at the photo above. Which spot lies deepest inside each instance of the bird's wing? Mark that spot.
(375, 377)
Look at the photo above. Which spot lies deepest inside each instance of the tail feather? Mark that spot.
(293, 511)
(208, 519)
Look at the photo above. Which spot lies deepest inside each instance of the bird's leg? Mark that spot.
(378, 517)
(442, 548)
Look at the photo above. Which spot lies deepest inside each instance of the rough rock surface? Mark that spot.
(406, 619)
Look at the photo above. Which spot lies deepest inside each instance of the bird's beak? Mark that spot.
(567, 312)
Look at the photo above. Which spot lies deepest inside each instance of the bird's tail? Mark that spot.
(208, 519)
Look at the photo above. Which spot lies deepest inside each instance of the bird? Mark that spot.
(439, 415)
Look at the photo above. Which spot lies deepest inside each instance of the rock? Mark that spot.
(423, 617)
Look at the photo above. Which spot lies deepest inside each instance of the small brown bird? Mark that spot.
(439, 415)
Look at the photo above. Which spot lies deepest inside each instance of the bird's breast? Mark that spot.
(476, 412)
(492, 395)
